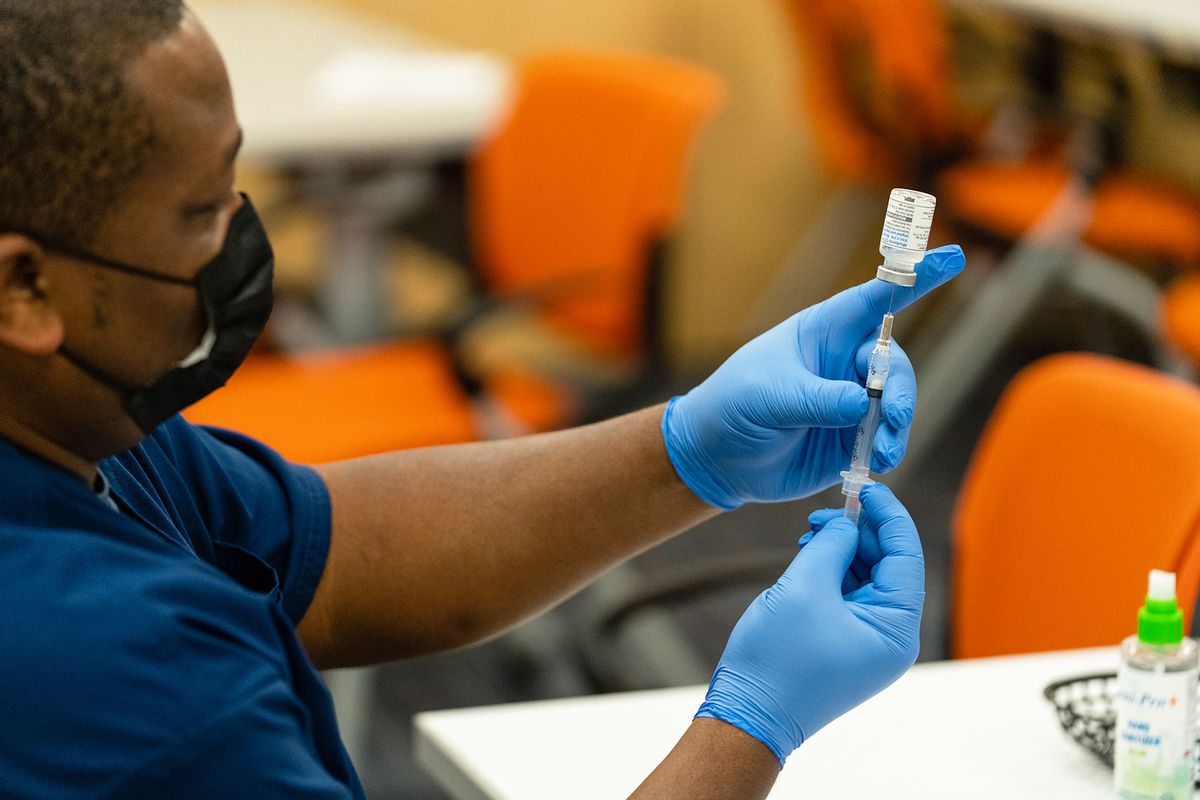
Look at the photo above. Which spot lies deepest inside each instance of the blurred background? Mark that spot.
(493, 219)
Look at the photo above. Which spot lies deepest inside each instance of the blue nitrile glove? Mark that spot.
(777, 420)
(868, 547)
(823, 639)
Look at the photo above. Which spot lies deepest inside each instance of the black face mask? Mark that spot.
(235, 291)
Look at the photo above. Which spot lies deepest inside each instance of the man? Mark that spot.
(166, 589)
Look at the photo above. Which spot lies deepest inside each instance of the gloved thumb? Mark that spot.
(825, 559)
(817, 403)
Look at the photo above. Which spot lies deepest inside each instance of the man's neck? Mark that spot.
(41, 447)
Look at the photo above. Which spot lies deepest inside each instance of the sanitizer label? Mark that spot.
(1155, 735)
(908, 222)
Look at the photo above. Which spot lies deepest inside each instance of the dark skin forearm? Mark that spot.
(713, 761)
(433, 549)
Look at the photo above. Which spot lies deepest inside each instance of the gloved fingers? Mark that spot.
(869, 549)
(858, 310)
(901, 566)
(889, 448)
(825, 559)
(939, 266)
(899, 404)
(853, 579)
(808, 401)
(865, 556)
(859, 572)
(819, 518)
(864, 594)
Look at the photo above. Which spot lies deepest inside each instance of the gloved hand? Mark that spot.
(825, 637)
(777, 420)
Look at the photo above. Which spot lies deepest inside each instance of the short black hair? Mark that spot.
(73, 135)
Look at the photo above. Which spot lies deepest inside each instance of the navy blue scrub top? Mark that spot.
(149, 651)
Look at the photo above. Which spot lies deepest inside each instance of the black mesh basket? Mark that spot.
(1086, 712)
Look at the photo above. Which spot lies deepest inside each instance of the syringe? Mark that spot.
(859, 474)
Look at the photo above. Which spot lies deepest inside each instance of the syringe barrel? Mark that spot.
(864, 439)
(878, 367)
(859, 474)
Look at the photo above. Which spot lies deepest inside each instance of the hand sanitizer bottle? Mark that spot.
(1156, 701)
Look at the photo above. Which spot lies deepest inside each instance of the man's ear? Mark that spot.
(29, 322)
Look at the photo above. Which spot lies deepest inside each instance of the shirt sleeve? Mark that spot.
(250, 497)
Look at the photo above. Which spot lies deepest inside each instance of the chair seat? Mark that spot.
(1181, 315)
(357, 402)
(344, 404)
(1132, 217)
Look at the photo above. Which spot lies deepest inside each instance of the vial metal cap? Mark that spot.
(899, 277)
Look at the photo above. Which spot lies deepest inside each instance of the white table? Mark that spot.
(1173, 24)
(979, 729)
(324, 92)
(312, 81)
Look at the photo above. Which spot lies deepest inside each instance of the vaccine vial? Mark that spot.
(1154, 748)
(905, 235)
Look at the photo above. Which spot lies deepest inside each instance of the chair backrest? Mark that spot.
(583, 178)
(1087, 477)
(877, 83)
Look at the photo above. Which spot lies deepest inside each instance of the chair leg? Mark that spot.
(351, 284)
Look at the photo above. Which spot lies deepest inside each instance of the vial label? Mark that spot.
(1153, 750)
(908, 221)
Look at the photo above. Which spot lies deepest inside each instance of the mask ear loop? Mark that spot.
(199, 354)
(108, 263)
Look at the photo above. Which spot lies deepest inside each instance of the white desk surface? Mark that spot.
(1174, 24)
(979, 729)
(310, 81)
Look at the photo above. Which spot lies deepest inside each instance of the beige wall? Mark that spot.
(754, 181)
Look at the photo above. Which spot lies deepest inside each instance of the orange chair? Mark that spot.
(569, 200)
(877, 85)
(880, 99)
(1086, 477)
(583, 179)
(1132, 217)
